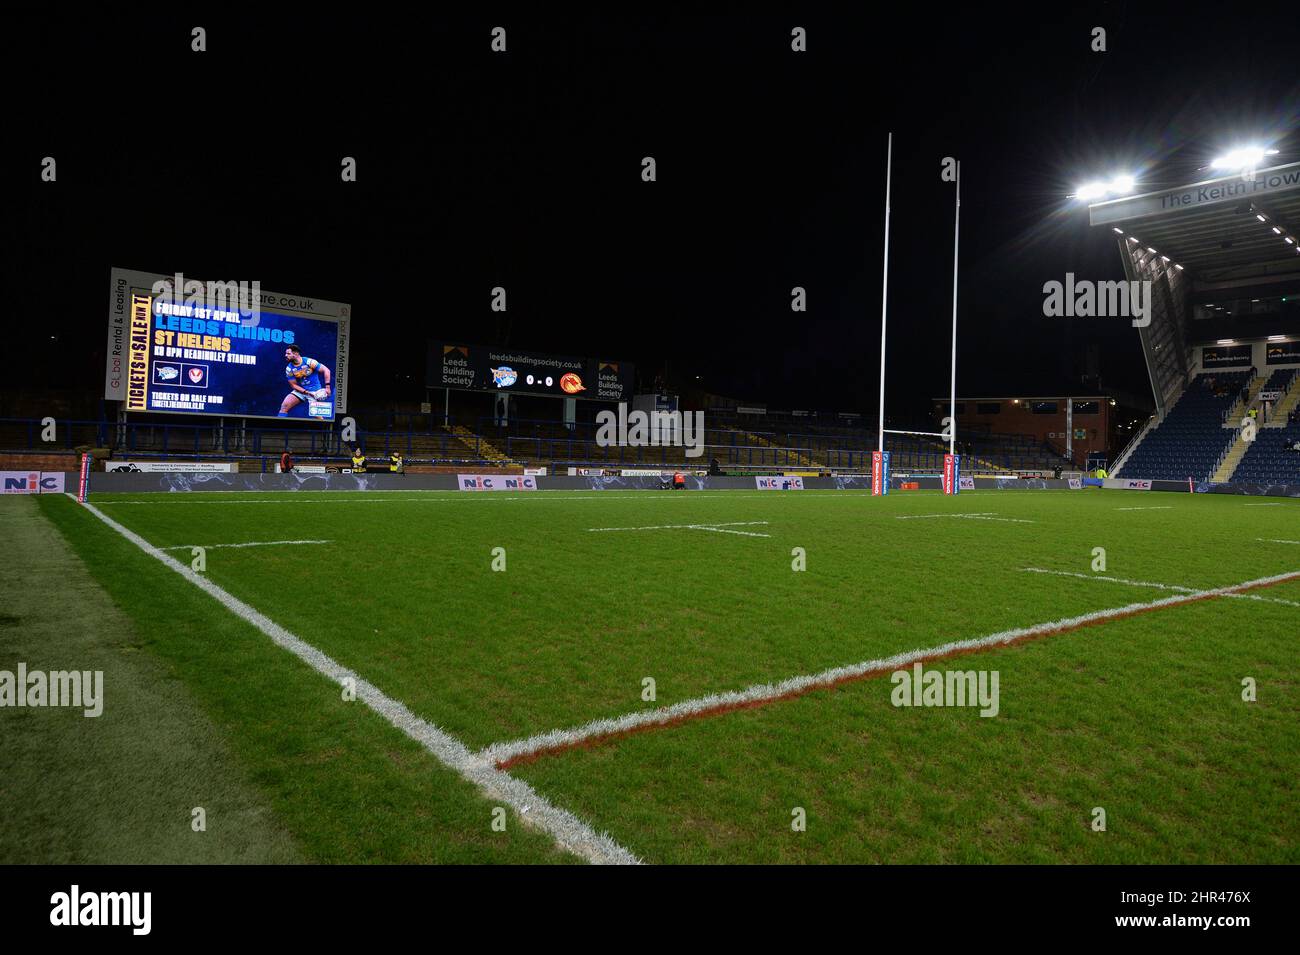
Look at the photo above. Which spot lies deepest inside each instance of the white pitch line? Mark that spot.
(245, 544)
(1113, 580)
(566, 829)
(720, 528)
(1265, 504)
(912, 517)
(1148, 583)
(723, 530)
(1161, 507)
(974, 516)
(766, 692)
(1273, 540)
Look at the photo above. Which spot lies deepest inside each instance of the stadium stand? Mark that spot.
(739, 443)
(1269, 459)
(1222, 266)
(1191, 441)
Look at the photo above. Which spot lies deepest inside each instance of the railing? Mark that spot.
(570, 450)
(268, 463)
(1122, 458)
(577, 446)
(151, 438)
(1222, 457)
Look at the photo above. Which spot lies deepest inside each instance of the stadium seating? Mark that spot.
(1192, 439)
(1281, 380)
(1268, 459)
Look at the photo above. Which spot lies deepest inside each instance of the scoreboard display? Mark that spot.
(475, 368)
(188, 347)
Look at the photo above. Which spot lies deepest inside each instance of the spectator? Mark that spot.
(286, 462)
(396, 464)
(358, 461)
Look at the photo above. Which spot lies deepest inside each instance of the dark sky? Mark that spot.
(522, 169)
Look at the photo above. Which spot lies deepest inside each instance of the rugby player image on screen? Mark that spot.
(309, 379)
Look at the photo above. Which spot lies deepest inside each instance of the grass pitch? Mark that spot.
(601, 591)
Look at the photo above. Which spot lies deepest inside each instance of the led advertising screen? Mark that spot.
(476, 368)
(1282, 353)
(178, 346)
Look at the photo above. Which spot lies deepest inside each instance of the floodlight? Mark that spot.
(1244, 157)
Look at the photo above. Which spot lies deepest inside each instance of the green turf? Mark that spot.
(1142, 716)
(346, 785)
(120, 787)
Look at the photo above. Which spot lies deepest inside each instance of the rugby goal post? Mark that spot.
(880, 457)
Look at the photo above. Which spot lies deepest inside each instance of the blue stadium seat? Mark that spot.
(1191, 440)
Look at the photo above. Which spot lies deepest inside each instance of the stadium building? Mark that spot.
(1047, 433)
(1222, 346)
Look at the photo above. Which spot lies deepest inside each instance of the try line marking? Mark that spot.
(511, 753)
(1147, 583)
(973, 516)
(1273, 540)
(720, 528)
(566, 829)
(245, 544)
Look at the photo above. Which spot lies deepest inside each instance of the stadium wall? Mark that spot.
(123, 482)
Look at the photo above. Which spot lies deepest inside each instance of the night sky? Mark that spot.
(523, 169)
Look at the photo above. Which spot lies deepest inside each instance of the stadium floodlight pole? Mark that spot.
(952, 397)
(884, 287)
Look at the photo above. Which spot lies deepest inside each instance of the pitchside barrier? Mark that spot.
(129, 483)
(100, 482)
